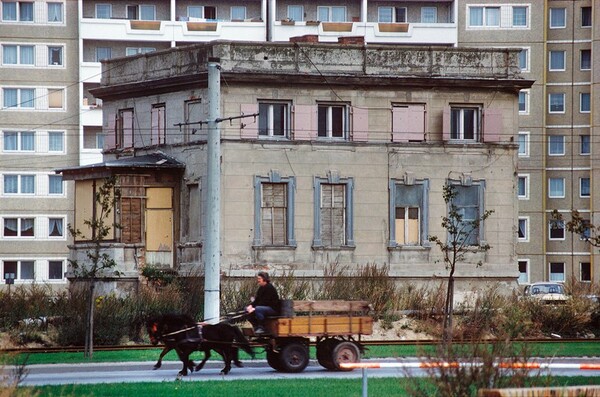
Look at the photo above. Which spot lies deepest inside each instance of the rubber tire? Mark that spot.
(293, 357)
(274, 359)
(345, 352)
(324, 351)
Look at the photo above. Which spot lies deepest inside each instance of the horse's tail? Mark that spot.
(242, 341)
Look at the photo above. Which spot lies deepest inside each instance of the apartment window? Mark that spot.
(103, 11)
(56, 227)
(19, 184)
(523, 141)
(586, 17)
(295, 13)
(56, 141)
(587, 230)
(409, 205)
(55, 270)
(55, 56)
(21, 141)
(203, 12)
(585, 60)
(273, 119)
(19, 98)
(428, 15)
(391, 14)
(331, 14)
(17, 11)
(132, 12)
(557, 230)
(523, 229)
(464, 123)
(584, 102)
(519, 17)
(18, 55)
(556, 145)
(469, 204)
(55, 184)
(523, 271)
(584, 187)
(556, 103)
(523, 186)
(524, 102)
(103, 53)
(333, 212)
(274, 209)
(21, 270)
(158, 130)
(138, 50)
(56, 98)
(524, 59)
(585, 271)
(556, 187)
(55, 12)
(484, 16)
(19, 227)
(557, 60)
(557, 271)
(238, 12)
(99, 141)
(558, 18)
(584, 144)
(147, 12)
(332, 121)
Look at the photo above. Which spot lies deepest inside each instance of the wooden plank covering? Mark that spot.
(320, 326)
(331, 306)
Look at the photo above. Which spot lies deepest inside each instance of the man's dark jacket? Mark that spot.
(267, 296)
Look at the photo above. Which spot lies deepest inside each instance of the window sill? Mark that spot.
(409, 248)
(273, 247)
(340, 248)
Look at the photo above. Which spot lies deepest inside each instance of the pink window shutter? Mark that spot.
(110, 141)
(446, 124)
(127, 129)
(492, 125)
(249, 125)
(155, 129)
(305, 122)
(399, 123)
(416, 123)
(360, 124)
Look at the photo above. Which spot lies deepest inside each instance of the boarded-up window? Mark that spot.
(55, 99)
(274, 213)
(408, 123)
(333, 214)
(408, 202)
(132, 196)
(158, 129)
(159, 219)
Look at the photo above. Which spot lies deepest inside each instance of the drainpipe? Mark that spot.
(212, 250)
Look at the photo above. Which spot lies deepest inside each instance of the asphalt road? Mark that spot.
(59, 374)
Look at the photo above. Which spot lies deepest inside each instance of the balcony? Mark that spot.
(90, 72)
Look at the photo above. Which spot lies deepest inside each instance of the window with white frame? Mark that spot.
(56, 227)
(587, 230)
(468, 202)
(55, 185)
(55, 12)
(557, 271)
(55, 270)
(524, 102)
(147, 12)
(18, 227)
(392, 14)
(56, 141)
(464, 123)
(332, 120)
(274, 209)
(556, 187)
(103, 11)
(331, 14)
(56, 98)
(484, 16)
(523, 141)
(584, 102)
(99, 140)
(55, 55)
(520, 19)
(19, 141)
(558, 18)
(586, 17)
(523, 187)
(585, 59)
(409, 208)
(523, 271)
(523, 229)
(556, 145)
(17, 11)
(21, 269)
(19, 184)
(238, 12)
(295, 13)
(584, 144)
(103, 53)
(274, 119)
(333, 212)
(557, 60)
(428, 14)
(584, 187)
(18, 54)
(19, 98)
(138, 50)
(556, 102)
(556, 229)
(524, 60)
(202, 12)
(132, 12)
(585, 272)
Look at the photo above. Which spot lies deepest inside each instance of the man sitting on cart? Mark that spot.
(266, 303)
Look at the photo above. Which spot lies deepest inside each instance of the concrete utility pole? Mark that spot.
(212, 251)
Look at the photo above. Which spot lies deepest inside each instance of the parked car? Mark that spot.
(549, 292)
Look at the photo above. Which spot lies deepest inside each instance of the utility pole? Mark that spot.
(212, 251)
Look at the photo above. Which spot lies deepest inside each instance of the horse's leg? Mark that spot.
(184, 356)
(227, 358)
(236, 358)
(206, 357)
(162, 354)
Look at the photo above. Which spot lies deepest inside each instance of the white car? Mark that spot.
(549, 292)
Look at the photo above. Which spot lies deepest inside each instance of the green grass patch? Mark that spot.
(259, 388)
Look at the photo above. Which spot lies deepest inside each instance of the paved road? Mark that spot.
(58, 374)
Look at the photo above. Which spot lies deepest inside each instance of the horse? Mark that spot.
(182, 333)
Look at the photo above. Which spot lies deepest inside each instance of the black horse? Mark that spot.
(182, 333)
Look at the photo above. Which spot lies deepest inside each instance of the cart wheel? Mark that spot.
(293, 357)
(345, 352)
(324, 351)
(274, 359)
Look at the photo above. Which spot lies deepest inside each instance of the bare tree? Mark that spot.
(460, 240)
(577, 225)
(99, 264)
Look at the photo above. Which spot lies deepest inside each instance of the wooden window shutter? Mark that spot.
(408, 123)
(110, 133)
(446, 124)
(127, 129)
(249, 125)
(305, 122)
(333, 211)
(360, 124)
(274, 213)
(492, 125)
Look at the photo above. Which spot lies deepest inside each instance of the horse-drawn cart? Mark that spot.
(333, 325)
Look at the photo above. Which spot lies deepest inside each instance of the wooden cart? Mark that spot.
(333, 325)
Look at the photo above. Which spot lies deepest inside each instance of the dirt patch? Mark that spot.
(403, 329)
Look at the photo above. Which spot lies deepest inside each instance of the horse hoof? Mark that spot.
(223, 372)
(239, 364)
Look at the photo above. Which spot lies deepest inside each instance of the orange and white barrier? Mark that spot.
(443, 364)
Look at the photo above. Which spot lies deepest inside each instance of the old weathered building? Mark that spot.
(344, 162)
